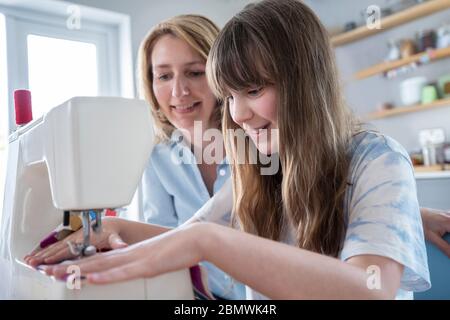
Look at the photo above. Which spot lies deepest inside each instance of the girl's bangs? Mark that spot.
(236, 62)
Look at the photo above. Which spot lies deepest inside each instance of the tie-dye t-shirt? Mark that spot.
(381, 209)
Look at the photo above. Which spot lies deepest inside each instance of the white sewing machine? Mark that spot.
(88, 153)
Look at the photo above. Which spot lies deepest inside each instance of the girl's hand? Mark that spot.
(108, 238)
(174, 250)
(436, 224)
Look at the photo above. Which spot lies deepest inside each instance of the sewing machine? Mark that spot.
(85, 155)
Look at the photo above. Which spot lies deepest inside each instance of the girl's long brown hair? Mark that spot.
(282, 43)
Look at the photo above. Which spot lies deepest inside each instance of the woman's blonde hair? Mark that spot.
(199, 32)
(282, 43)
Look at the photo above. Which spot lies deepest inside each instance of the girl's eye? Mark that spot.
(255, 92)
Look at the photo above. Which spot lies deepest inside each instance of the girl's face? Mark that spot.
(179, 83)
(255, 111)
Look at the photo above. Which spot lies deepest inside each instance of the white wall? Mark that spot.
(364, 95)
(144, 14)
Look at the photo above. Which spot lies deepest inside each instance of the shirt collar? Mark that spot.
(175, 140)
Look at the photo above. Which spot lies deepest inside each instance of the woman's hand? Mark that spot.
(436, 224)
(108, 238)
(174, 250)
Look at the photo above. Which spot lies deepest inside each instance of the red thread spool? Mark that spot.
(110, 213)
(22, 104)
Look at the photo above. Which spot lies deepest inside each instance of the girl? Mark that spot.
(342, 203)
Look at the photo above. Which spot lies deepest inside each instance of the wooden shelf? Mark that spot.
(415, 12)
(434, 168)
(432, 55)
(402, 110)
(443, 174)
(438, 171)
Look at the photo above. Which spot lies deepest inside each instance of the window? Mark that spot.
(3, 86)
(59, 69)
(59, 50)
(3, 107)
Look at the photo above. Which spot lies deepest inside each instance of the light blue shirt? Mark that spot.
(174, 190)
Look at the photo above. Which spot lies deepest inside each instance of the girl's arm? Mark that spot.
(281, 271)
(117, 233)
(274, 269)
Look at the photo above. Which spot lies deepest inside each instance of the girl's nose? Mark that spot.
(180, 88)
(240, 112)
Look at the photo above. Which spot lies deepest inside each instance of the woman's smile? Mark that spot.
(186, 108)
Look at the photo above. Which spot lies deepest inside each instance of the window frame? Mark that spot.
(4, 99)
(109, 31)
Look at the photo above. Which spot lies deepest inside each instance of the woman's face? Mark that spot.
(255, 111)
(179, 83)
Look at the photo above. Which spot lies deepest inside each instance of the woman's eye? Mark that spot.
(254, 92)
(196, 73)
(163, 77)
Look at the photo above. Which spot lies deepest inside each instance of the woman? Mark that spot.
(172, 62)
(304, 218)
